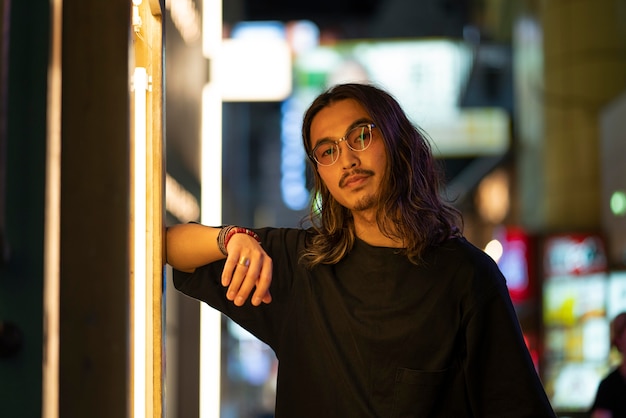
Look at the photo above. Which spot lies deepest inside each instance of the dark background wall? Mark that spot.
(25, 43)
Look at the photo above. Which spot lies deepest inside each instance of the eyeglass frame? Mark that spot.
(336, 142)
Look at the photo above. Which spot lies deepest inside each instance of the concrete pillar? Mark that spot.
(584, 58)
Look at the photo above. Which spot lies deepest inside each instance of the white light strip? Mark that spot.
(52, 231)
(211, 214)
(211, 203)
(139, 334)
(211, 29)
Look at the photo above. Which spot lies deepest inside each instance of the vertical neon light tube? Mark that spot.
(140, 291)
(211, 203)
(52, 239)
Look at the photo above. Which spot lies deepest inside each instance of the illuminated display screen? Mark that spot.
(426, 76)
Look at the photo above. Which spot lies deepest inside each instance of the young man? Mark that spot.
(381, 308)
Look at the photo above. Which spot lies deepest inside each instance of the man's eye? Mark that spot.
(359, 137)
(327, 151)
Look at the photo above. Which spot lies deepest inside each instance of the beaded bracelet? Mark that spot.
(227, 232)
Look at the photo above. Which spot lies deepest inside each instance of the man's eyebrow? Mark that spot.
(358, 122)
(353, 125)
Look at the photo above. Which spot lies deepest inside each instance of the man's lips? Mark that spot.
(354, 177)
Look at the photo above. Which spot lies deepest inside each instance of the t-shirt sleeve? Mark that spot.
(265, 321)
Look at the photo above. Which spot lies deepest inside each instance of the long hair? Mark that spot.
(410, 206)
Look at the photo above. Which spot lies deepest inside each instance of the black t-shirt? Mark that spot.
(611, 394)
(377, 336)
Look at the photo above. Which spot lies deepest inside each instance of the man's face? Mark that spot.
(354, 180)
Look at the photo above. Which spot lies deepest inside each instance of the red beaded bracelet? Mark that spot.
(227, 233)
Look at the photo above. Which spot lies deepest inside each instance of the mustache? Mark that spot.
(356, 171)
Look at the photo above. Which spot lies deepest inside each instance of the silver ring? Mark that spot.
(244, 261)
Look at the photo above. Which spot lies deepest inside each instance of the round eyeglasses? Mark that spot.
(326, 152)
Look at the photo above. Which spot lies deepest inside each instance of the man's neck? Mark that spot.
(367, 229)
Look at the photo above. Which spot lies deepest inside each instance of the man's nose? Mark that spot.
(348, 158)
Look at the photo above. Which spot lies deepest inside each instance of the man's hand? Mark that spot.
(247, 267)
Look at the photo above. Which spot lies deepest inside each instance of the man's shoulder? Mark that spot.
(462, 250)
(469, 266)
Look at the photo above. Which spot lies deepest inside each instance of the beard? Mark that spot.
(365, 203)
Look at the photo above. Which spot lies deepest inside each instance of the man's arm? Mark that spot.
(189, 246)
(247, 266)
